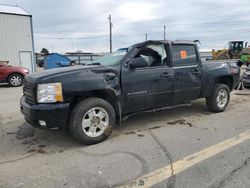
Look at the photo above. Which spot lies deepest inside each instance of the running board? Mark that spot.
(158, 109)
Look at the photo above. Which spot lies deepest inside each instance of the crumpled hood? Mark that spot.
(66, 72)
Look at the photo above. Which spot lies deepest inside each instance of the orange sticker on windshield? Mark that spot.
(183, 54)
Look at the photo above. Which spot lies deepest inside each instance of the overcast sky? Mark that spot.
(83, 25)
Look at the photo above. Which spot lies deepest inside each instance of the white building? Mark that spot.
(16, 37)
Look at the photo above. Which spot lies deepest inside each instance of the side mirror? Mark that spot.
(138, 63)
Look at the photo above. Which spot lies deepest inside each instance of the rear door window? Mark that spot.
(184, 55)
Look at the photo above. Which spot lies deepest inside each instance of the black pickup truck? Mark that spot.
(149, 76)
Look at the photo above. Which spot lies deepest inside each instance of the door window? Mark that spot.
(154, 54)
(184, 55)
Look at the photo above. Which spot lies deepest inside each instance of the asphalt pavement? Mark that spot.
(183, 147)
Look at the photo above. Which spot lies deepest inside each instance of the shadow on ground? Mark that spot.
(4, 86)
(42, 141)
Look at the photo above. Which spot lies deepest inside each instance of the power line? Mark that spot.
(170, 28)
(174, 25)
(170, 25)
(137, 34)
(202, 23)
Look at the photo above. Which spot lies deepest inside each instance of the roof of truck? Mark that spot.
(165, 42)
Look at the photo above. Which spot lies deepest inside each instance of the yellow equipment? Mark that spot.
(233, 52)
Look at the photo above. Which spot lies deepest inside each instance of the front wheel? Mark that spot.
(92, 120)
(219, 99)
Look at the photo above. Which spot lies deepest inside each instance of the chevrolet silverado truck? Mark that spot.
(154, 75)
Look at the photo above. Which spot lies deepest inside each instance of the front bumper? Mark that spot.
(55, 115)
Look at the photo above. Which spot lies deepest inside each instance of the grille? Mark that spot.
(28, 93)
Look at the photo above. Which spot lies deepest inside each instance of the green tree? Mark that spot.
(45, 51)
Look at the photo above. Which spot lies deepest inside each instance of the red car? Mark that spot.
(12, 75)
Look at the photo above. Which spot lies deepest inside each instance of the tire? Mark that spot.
(217, 102)
(91, 111)
(40, 63)
(15, 80)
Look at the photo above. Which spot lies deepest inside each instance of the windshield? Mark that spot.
(111, 59)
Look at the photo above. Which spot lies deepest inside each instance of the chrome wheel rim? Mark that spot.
(222, 98)
(95, 122)
(15, 80)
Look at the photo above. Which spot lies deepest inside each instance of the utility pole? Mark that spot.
(146, 37)
(110, 33)
(164, 33)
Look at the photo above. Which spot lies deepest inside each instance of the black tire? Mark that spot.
(212, 103)
(15, 80)
(80, 111)
(41, 63)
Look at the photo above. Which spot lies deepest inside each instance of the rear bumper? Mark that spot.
(246, 79)
(55, 115)
(246, 82)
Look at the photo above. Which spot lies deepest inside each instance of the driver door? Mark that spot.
(148, 87)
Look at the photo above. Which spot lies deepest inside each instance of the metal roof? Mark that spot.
(7, 9)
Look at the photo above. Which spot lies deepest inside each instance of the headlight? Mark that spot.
(49, 93)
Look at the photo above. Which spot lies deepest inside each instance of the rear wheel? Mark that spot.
(15, 80)
(219, 100)
(92, 120)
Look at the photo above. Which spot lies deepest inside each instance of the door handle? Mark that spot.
(195, 72)
(165, 74)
